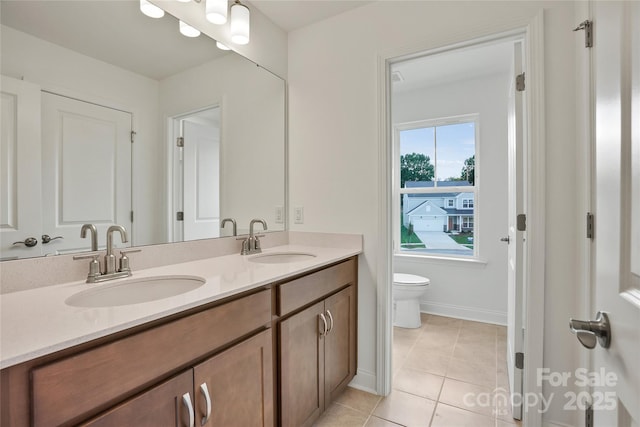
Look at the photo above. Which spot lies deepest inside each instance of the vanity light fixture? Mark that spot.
(222, 46)
(188, 31)
(184, 1)
(240, 23)
(151, 10)
(216, 11)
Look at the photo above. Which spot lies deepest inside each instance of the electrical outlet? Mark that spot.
(279, 215)
(299, 215)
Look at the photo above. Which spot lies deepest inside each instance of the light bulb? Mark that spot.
(240, 23)
(151, 10)
(188, 31)
(216, 11)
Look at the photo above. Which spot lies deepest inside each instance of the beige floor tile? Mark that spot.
(501, 330)
(476, 351)
(474, 372)
(405, 409)
(411, 334)
(379, 422)
(341, 416)
(443, 321)
(420, 383)
(448, 416)
(501, 423)
(432, 361)
(467, 396)
(439, 339)
(469, 325)
(358, 400)
(424, 317)
(503, 406)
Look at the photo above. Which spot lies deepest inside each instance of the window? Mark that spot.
(436, 187)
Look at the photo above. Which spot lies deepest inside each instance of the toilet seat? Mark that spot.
(403, 279)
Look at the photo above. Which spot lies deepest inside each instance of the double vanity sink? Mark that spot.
(135, 291)
(269, 337)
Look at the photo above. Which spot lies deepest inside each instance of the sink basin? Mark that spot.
(282, 257)
(135, 291)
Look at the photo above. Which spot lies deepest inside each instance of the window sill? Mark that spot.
(442, 259)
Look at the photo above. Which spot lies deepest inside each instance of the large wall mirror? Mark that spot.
(111, 117)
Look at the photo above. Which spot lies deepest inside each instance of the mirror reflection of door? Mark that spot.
(200, 175)
(86, 171)
(20, 217)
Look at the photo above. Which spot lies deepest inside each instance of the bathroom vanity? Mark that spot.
(257, 345)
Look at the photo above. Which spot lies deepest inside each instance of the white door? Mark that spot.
(20, 211)
(86, 169)
(201, 181)
(616, 246)
(515, 276)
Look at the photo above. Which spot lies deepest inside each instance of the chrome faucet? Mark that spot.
(109, 273)
(233, 222)
(94, 235)
(251, 245)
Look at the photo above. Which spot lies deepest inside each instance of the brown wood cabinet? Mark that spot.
(217, 364)
(234, 388)
(317, 356)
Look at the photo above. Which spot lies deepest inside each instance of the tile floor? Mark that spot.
(448, 373)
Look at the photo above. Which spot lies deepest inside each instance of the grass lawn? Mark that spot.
(463, 239)
(409, 241)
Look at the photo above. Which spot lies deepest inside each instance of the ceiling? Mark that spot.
(293, 14)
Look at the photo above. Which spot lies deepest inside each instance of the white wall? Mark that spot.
(476, 291)
(334, 173)
(69, 73)
(252, 132)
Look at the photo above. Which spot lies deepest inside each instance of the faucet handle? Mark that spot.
(124, 259)
(87, 255)
(94, 265)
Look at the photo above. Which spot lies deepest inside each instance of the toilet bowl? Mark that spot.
(407, 291)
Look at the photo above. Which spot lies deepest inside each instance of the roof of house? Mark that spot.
(439, 209)
(465, 212)
(430, 184)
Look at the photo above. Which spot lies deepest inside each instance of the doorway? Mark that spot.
(472, 189)
(196, 155)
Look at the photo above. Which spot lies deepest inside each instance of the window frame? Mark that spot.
(398, 192)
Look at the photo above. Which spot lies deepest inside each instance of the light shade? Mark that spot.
(216, 11)
(240, 23)
(184, 1)
(151, 10)
(222, 46)
(188, 31)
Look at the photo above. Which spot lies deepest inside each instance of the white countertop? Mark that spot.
(38, 322)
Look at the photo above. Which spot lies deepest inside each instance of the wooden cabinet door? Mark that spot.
(162, 406)
(239, 385)
(340, 342)
(302, 367)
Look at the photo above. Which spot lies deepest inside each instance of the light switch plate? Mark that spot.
(299, 215)
(279, 215)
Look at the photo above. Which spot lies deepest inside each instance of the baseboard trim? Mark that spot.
(467, 313)
(365, 381)
(555, 424)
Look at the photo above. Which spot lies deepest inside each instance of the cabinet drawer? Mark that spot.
(297, 293)
(71, 389)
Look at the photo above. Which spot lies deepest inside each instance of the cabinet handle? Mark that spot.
(205, 392)
(330, 321)
(186, 401)
(324, 321)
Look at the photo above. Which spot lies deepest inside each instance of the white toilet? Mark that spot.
(407, 291)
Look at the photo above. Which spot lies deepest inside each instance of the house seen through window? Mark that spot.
(437, 188)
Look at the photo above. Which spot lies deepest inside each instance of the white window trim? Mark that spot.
(399, 192)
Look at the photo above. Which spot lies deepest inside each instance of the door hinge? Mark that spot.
(520, 82)
(133, 136)
(587, 26)
(131, 216)
(180, 141)
(590, 226)
(520, 360)
(180, 216)
(588, 416)
(521, 223)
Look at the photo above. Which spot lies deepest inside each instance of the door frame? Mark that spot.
(532, 31)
